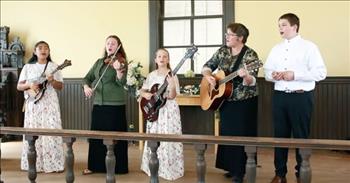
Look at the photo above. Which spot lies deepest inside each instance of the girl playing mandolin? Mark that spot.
(42, 113)
(170, 154)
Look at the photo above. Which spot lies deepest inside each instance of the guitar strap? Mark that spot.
(238, 62)
(44, 84)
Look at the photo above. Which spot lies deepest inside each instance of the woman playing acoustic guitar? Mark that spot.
(170, 154)
(238, 112)
(45, 112)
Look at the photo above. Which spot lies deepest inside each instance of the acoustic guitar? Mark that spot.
(213, 97)
(37, 95)
(150, 108)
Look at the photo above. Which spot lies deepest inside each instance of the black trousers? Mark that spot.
(291, 118)
(108, 118)
(237, 118)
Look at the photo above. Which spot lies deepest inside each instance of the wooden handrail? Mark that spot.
(203, 139)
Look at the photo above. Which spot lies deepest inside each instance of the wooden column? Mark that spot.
(305, 169)
(251, 164)
(69, 159)
(200, 164)
(31, 155)
(110, 161)
(153, 162)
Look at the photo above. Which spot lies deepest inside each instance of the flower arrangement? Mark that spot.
(189, 74)
(134, 78)
(190, 89)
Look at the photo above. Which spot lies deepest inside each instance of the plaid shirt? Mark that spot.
(223, 60)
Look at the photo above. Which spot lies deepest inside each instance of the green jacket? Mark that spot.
(110, 90)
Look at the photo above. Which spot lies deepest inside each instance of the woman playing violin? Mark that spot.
(108, 113)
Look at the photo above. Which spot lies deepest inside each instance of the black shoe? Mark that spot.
(228, 175)
(237, 180)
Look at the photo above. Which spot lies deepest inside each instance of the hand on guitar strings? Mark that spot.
(50, 78)
(243, 72)
(171, 82)
(34, 86)
(211, 80)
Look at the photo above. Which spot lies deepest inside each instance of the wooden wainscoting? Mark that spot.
(331, 118)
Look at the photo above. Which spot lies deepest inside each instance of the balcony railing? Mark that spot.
(200, 143)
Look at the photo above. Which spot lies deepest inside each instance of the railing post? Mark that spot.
(110, 160)
(305, 169)
(153, 162)
(251, 164)
(31, 155)
(69, 159)
(200, 164)
(0, 158)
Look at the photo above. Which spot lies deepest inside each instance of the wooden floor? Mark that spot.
(327, 167)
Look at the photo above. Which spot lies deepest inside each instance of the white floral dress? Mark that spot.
(44, 114)
(170, 154)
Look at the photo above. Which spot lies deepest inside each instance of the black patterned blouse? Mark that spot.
(223, 60)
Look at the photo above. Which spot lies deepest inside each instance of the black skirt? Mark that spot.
(237, 118)
(108, 118)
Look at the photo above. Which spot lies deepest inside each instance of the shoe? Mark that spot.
(87, 172)
(228, 175)
(278, 179)
(237, 180)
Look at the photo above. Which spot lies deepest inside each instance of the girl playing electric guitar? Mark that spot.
(170, 154)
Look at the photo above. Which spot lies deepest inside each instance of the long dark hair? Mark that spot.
(34, 58)
(121, 49)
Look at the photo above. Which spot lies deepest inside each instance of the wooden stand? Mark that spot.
(182, 100)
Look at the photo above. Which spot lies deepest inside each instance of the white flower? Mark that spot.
(134, 78)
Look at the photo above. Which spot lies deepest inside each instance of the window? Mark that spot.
(176, 25)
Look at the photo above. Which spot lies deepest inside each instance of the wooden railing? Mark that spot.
(200, 142)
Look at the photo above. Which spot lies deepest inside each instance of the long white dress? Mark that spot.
(170, 154)
(44, 114)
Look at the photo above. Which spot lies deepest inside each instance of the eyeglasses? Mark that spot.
(229, 34)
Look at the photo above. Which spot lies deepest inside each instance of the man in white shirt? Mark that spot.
(294, 65)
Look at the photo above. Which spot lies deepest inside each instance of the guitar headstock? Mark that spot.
(190, 52)
(255, 65)
(66, 63)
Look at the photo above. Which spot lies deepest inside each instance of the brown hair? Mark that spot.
(240, 30)
(121, 49)
(292, 19)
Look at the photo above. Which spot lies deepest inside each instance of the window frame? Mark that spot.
(156, 26)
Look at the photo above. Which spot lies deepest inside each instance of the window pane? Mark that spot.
(176, 54)
(207, 7)
(177, 8)
(176, 32)
(208, 31)
(204, 54)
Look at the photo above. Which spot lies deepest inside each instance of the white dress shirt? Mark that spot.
(300, 56)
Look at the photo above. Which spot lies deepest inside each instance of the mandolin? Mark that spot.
(212, 98)
(150, 108)
(37, 95)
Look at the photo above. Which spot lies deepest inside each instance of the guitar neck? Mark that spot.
(228, 78)
(173, 73)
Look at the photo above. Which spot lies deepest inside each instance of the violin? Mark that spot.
(116, 57)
